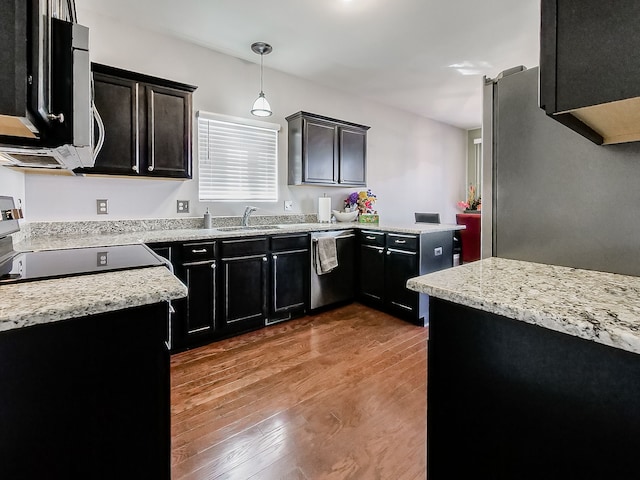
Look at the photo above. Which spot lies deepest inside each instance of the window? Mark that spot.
(237, 159)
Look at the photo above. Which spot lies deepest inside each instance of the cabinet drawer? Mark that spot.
(194, 252)
(245, 246)
(289, 242)
(368, 237)
(404, 242)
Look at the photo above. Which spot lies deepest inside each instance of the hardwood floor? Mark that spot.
(339, 395)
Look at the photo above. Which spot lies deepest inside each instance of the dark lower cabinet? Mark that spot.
(87, 398)
(371, 284)
(289, 284)
(526, 402)
(400, 266)
(192, 320)
(387, 260)
(244, 268)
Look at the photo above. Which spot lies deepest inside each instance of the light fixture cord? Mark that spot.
(261, 55)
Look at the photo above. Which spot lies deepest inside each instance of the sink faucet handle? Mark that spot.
(247, 213)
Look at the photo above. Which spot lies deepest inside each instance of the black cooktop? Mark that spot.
(28, 266)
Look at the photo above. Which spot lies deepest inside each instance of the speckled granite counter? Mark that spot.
(82, 237)
(597, 306)
(45, 301)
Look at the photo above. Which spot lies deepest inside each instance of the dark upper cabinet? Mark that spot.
(148, 124)
(589, 60)
(326, 151)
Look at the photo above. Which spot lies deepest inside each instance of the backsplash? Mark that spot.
(92, 227)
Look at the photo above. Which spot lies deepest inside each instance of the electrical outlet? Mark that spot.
(102, 206)
(288, 205)
(183, 206)
(102, 259)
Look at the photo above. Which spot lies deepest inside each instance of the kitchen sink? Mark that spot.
(248, 228)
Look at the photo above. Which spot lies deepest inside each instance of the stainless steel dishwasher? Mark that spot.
(337, 285)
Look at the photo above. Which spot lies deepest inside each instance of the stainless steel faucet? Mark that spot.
(247, 213)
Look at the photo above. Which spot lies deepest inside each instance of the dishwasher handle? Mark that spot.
(340, 237)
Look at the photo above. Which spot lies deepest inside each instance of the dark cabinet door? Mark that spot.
(168, 132)
(400, 265)
(116, 100)
(289, 279)
(353, 154)
(244, 293)
(320, 152)
(196, 319)
(326, 151)
(147, 123)
(371, 283)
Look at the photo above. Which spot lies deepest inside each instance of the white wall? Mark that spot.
(414, 164)
(12, 184)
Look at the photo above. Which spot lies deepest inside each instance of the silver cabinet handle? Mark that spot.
(264, 259)
(213, 266)
(151, 167)
(201, 250)
(381, 251)
(388, 252)
(275, 257)
(370, 237)
(136, 167)
(400, 241)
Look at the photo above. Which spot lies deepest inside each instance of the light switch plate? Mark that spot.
(183, 206)
(288, 205)
(102, 206)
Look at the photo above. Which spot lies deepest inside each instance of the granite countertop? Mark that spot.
(69, 239)
(31, 303)
(597, 306)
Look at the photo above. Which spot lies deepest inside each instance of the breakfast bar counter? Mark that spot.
(533, 372)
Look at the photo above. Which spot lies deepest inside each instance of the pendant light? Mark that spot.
(261, 107)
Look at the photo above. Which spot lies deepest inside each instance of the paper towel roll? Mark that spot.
(324, 209)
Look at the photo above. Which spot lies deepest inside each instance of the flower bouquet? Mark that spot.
(362, 202)
(472, 204)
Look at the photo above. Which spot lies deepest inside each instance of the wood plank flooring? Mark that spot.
(338, 395)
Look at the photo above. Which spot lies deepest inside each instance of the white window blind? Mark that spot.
(237, 159)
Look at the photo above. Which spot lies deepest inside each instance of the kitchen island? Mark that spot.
(85, 376)
(533, 372)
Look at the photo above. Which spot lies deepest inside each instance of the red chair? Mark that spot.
(470, 236)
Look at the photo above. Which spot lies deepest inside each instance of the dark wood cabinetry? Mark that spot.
(194, 321)
(371, 262)
(87, 397)
(244, 268)
(289, 284)
(387, 260)
(588, 66)
(326, 151)
(148, 124)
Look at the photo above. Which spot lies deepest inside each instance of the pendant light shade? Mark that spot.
(261, 107)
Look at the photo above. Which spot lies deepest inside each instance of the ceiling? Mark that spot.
(423, 56)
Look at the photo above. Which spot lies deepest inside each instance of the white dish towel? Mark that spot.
(326, 255)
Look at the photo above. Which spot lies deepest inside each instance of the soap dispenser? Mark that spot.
(207, 219)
